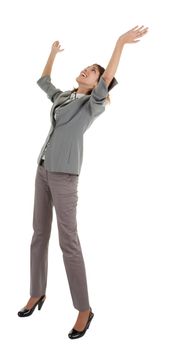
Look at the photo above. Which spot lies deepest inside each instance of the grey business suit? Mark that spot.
(56, 185)
(65, 150)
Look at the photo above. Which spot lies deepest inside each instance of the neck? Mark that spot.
(82, 90)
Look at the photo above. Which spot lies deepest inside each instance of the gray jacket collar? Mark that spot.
(61, 99)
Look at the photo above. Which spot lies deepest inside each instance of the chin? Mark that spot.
(78, 79)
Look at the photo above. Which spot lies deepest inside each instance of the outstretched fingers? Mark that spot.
(140, 32)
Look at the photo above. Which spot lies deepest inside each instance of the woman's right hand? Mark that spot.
(56, 47)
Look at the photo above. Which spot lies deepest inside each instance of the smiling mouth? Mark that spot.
(83, 75)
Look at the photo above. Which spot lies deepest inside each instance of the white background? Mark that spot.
(123, 186)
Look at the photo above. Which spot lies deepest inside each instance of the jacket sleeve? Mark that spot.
(96, 103)
(46, 85)
(100, 92)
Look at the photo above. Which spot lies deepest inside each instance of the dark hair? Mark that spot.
(101, 71)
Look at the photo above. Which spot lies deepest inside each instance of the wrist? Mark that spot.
(53, 53)
(120, 41)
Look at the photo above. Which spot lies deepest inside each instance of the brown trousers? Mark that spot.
(60, 190)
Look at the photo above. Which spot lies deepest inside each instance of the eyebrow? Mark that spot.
(96, 68)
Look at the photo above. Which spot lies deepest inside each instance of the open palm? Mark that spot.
(133, 34)
(56, 47)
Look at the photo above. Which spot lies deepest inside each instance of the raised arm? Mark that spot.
(128, 37)
(45, 80)
(54, 50)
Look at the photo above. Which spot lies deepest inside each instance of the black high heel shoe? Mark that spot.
(74, 334)
(27, 312)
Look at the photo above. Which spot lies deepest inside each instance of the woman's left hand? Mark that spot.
(133, 34)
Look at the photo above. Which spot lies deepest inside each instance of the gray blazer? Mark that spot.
(64, 152)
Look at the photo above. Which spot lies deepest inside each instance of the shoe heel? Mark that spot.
(91, 316)
(40, 304)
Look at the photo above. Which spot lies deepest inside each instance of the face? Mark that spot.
(89, 76)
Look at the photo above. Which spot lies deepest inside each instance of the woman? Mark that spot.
(59, 165)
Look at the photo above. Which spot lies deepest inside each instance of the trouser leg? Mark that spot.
(64, 193)
(42, 220)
